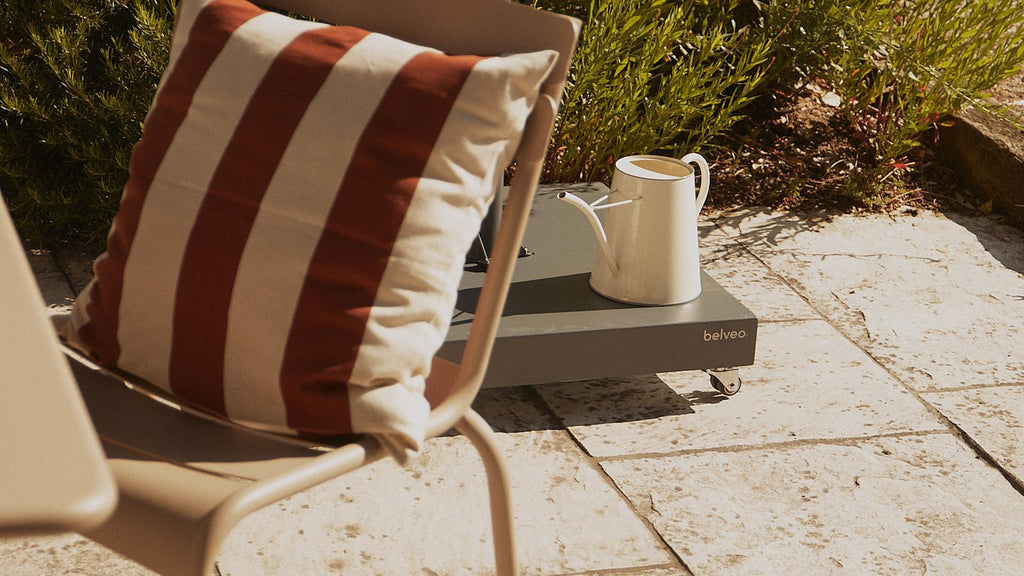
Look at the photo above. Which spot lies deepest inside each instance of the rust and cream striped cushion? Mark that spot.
(292, 234)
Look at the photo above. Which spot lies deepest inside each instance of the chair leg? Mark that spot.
(474, 427)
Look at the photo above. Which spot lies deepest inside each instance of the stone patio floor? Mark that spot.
(880, 431)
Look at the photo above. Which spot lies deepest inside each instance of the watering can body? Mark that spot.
(648, 238)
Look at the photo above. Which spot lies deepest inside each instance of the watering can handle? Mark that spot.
(705, 178)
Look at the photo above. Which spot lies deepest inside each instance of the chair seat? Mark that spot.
(134, 425)
(161, 507)
(178, 470)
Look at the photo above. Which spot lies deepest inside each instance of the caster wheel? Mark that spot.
(726, 382)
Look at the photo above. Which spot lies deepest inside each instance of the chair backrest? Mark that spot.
(455, 26)
(463, 27)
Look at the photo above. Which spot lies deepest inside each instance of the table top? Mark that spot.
(55, 476)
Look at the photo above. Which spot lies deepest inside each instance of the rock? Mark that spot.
(987, 153)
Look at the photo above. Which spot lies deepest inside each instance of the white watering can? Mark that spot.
(649, 237)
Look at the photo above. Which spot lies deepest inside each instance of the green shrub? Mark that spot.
(931, 58)
(898, 65)
(668, 76)
(809, 36)
(76, 79)
(651, 76)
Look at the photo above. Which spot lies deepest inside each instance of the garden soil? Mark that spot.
(799, 152)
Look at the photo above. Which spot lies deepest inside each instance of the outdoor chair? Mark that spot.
(190, 462)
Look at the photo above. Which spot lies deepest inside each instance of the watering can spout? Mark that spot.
(595, 223)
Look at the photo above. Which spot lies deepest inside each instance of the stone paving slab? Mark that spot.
(897, 505)
(940, 303)
(64, 555)
(749, 280)
(52, 282)
(992, 417)
(808, 382)
(435, 518)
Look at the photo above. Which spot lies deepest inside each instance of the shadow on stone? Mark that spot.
(618, 400)
(768, 227)
(589, 402)
(1004, 242)
(515, 409)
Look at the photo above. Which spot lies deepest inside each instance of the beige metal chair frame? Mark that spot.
(185, 480)
(59, 480)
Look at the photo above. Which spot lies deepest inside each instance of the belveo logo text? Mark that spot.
(724, 335)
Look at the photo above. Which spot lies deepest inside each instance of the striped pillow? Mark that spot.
(292, 233)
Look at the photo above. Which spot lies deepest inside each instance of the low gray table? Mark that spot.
(555, 328)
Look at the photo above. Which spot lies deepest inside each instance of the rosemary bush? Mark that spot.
(76, 79)
(932, 57)
(651, 76)
(898, 65)
(661, 76)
